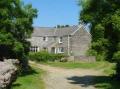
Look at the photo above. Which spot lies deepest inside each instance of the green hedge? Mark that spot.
(44, 56)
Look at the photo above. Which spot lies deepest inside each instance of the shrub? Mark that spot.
(91, 52)
(44, 56)
(116, 56)
(99, 56)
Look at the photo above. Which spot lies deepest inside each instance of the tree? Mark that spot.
(62, 26)
(104, 17)
(66, 25)
(16, 21)
(58, 26)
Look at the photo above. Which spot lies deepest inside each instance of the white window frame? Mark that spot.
(60, 39)
(34, 48)
(61, 50)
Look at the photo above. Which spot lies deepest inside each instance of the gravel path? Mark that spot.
(59, 78)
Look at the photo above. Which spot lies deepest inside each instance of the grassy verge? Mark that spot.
(106, 67)
(32, 80)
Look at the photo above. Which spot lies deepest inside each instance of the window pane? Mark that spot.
(60, 40)
(44, 38)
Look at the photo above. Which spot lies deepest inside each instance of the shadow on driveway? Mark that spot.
(100, 82)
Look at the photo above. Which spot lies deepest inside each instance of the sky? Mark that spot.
(55, 12)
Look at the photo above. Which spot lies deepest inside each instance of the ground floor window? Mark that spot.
(61, 50)
(57, 50)
(34, 49)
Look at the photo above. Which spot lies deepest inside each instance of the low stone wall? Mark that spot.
(82, 58)
(8, 73)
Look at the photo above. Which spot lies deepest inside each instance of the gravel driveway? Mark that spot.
(59, 78)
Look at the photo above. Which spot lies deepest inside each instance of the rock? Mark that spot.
(8, 73)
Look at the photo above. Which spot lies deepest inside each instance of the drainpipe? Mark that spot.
(68, 45)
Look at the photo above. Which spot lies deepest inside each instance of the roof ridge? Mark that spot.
(79, 26)
(54, 31)
(52, 27)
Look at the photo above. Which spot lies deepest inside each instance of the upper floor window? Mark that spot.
(45, 38)
(61, 40)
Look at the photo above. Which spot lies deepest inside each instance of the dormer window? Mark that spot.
(60, 40)
(45, 38)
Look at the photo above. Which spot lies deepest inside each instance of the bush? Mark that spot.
(91, 52)
(44, 56)
(99, 57)
(116, 57)
(99, 49)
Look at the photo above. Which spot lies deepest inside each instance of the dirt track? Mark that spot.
(59, 78)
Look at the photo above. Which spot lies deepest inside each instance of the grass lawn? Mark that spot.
(106, 67)
(33, 80)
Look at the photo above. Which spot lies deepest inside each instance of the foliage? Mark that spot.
(116, 56)
(104, 17)
(44, 56)
(62, 26)
(16, 21)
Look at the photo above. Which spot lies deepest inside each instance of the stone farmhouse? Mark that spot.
(72, 40)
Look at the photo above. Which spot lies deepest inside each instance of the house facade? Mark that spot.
(73, 40)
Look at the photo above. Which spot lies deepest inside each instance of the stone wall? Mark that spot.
(85, 58)
(82, 58)
(80, 42)
(8, 73)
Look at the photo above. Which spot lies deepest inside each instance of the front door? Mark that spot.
(53, 50)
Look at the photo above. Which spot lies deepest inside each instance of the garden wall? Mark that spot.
(82, 58)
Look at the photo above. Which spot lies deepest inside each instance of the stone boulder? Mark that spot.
(8, 73)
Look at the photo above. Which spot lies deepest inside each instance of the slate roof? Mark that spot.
(65, 31)
(49, 31)
(43, 31)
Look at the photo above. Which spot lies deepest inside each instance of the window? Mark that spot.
(61, 50)
(60, 40)
(45, 39)
(34, 49)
